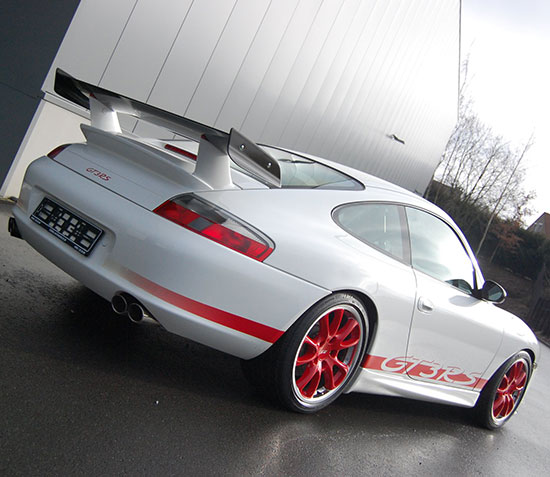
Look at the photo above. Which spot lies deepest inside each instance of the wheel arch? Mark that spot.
(484, 407)
(366, 301)
(533, 356)
(372, 313)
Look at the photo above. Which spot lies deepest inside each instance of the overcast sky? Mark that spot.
(508, 42)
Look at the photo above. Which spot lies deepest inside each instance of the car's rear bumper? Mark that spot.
(194, 287)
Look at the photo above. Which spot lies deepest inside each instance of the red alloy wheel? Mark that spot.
(509, 390)
(327, 354)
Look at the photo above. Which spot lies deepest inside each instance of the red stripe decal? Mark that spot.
(481, 383)
(224, 318)
(373, 362)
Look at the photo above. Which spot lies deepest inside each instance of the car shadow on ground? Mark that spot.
(81, 328)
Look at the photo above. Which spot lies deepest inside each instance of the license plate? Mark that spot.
(67, 226)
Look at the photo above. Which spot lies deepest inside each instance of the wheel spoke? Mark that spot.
(520, 378)
(520, 382)
(309, 381)
(324, 330)
(328, 375)
(508, 406)
(513, 372)
(337, 316)
(498, 405)
(308, 352)
(333, 378)
(503, 386)
(346, 336)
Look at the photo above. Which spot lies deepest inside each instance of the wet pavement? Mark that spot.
(83, 392)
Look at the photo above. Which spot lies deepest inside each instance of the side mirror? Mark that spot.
(493, 292)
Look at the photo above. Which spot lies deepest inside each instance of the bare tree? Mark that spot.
(485, 171)
(505, 194)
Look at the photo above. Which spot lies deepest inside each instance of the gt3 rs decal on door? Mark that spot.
(425, 369)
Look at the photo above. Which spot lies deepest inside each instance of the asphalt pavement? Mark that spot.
(84, 392)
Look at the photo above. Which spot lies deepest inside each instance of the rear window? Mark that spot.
(299, 172)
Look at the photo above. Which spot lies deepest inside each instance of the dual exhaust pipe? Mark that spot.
(125, 304)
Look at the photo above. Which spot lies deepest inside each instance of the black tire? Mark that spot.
(317, 358)
(502, 395)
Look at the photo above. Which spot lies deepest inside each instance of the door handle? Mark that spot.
(425, 305)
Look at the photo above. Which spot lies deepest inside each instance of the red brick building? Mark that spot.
(541, 225)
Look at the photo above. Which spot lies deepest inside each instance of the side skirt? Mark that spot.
(389, 384)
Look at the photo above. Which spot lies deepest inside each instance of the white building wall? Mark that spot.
(334, 78)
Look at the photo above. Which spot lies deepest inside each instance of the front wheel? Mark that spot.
(503, 393)
(320, 354)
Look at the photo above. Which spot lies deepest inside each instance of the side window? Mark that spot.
(437, 251)
(380, 225)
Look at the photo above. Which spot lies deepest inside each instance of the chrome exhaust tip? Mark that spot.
(136, 313)
(13, 229)
(125, 304)
(119, 303)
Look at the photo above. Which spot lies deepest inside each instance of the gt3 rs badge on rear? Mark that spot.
(99, 174)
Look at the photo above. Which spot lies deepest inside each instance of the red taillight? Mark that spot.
(178, 150)
(57, 150)
(216, 224)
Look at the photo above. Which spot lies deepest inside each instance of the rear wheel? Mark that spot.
(311, 365)
(504, 391)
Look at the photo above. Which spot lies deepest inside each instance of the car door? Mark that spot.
(389, 277)
(453, 336)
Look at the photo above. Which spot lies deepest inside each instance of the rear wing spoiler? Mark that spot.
(104, 106)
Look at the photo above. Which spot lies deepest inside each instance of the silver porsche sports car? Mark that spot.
(323, 279)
